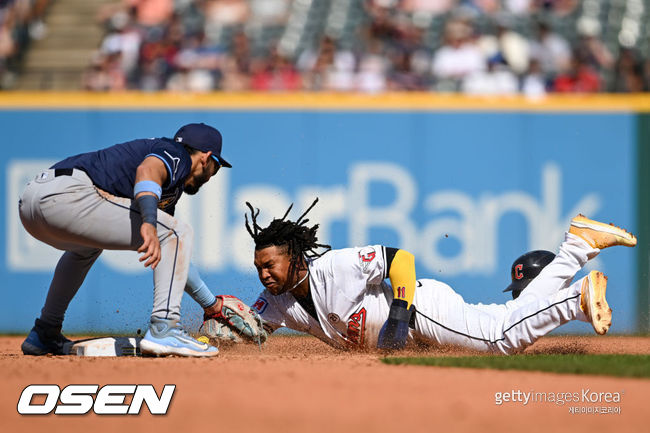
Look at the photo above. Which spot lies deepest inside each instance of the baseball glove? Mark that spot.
(236, 322)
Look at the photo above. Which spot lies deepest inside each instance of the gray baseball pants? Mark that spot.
(69, 213)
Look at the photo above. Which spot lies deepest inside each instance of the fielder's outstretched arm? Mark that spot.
(401, 265)
(197, 289)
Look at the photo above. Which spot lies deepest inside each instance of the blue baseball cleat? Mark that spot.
(165, 337)
(44, 339)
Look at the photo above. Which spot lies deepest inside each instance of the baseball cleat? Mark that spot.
(44, 339)
(593, 302)
(600, 235)
(166, 337)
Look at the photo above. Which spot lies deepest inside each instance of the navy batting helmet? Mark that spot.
(527, 267)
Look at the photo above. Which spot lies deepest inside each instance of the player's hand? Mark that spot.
(150, 247)
(395, 332)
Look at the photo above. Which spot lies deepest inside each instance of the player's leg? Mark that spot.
(170, 276)
(583, 300)
(443, 317)
(520, 327)
(165, 336)
(68, 212)
(572, 256)
(582, 243)
(69, 274)
(41, 196)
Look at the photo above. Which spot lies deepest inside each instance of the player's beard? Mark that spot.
(198, 183)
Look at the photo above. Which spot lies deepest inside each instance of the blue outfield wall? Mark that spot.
(466, 192)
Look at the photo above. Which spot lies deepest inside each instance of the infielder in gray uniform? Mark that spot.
(123, 198)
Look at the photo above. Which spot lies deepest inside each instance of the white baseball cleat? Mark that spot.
(600, 235)
(593, 302)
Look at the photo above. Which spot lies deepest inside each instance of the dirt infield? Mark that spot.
(298, 384)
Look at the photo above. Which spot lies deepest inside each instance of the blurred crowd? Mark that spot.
(470, 46)
(20, 22)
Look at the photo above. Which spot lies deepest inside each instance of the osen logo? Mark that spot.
(108, 400)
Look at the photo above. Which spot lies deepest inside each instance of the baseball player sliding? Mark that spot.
(342, 298)
(123, 198)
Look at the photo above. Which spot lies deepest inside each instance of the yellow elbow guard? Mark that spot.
(402, 276)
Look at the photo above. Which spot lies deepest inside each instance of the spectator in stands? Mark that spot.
(460, 56)
(373, 66)
(559, 8)
(20, 21)
(551, 50)
(591, 47)
(123, 38)
(156, 57)
(388, 24)
(7, 44)
(394, 50)
(152, 13)
(236, 64)
(328, 67)
(223, 16)
(581, 77)
(106, 74)
(196, 66)
(275, 74)
(402, 75)
(497, 79)
(518, 7)
(433, 7)
(191, 16)
(629, 73)
(533, 84)
(268, 12)
(507, 44)
(484, 6)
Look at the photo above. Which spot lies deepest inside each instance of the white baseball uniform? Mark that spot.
(352, 301)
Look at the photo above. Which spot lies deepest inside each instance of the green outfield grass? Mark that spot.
(605, 365)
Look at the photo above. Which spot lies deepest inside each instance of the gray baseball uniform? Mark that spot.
(83, 205)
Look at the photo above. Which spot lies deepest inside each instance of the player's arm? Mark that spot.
(401, 272)
(199, 291)
(150, 175)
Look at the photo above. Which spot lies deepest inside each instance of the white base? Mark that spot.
(104, 346)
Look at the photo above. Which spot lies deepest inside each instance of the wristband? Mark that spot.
(399, 312)
(147, 186)
(148, 208)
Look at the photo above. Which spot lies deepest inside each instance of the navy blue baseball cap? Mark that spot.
(202, 137)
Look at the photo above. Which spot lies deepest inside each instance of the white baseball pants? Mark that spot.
(549, 301)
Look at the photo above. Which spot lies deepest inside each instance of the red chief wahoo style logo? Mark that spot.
(366, 256)
(357, 327)
(518, 274)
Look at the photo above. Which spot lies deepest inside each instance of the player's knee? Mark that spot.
(184, 231)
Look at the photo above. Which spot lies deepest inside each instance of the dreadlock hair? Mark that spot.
(300, 240)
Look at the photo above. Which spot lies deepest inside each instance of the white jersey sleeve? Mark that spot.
(367, 264)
